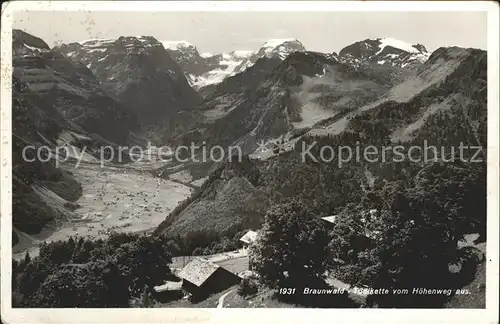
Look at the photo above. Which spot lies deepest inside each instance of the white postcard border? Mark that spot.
(168, 315)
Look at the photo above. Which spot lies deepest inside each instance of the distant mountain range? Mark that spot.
(139, 73)
(133, 89)
(207, 69)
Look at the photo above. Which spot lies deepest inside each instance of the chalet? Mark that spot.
(329, 220)
(248, 238)
(200, 278)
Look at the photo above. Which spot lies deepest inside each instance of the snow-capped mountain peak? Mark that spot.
(385, 51)
(396, 44)
(281, 47)
(96, 41)
(272, 43)
(176, 45)
(206, 68)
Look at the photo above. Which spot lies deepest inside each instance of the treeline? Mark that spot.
(399, 236)
(80, 272)
(111, 272)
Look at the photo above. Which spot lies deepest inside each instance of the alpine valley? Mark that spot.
(399, 223)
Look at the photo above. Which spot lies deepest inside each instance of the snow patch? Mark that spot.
(272, 43)
(33, 48)
(241, 53)
(92, 50)
(96, 41)
(176, 45)
(396, 44)
(216, 75)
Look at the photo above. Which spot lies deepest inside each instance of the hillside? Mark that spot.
(41, 192)
(55, 102)
(70, 88)
(302, 122)
(274, 97)
(444, 105)
(140, 74)
(206, 70)
(385, 51)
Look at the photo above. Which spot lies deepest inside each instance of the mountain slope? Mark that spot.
(279, 48)
(385, 51)
(447, 107)
(70, 88)
(203, 69)
(441, 65)
(41, 193)
(277, 97)
(139, 73)
(56, 103)
(206, 70)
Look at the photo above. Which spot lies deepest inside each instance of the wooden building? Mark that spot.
(248, 238)
(201, 278)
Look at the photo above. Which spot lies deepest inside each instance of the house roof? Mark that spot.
(198, 271)
(249, 237)
(330, 219)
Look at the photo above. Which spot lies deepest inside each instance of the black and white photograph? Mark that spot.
(249, 155)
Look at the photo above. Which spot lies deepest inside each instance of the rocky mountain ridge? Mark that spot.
(139, 73)
(385, 51)
(207, 69)
(70, 87)
(286, 94)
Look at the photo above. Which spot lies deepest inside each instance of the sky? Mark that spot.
(216, 32)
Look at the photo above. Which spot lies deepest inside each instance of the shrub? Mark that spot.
(247, 287)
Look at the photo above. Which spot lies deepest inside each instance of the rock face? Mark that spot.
(70, 88)
(139, 73)
(309, 93)
(205, 69)
(280, 48)
(41, 193)
(103, 90)
(385, 51)
(276, 97)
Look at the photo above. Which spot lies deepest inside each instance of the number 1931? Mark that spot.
(287, 291)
